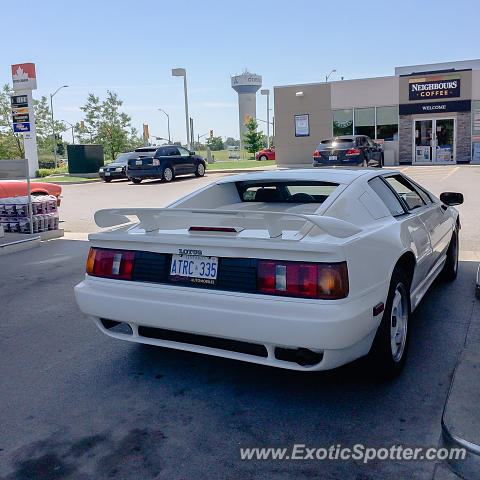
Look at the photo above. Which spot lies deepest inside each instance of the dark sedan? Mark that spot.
(118, 169)
(348, 150)
(165, 164)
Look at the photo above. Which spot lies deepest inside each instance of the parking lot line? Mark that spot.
(449, 173)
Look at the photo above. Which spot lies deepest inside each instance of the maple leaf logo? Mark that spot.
(20, 74)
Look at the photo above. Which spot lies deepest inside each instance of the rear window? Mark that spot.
(291, 192)
(336, 142)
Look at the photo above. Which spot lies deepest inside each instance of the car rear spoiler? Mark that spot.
(152, 219)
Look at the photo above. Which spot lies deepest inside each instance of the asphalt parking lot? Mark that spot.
(75, 404)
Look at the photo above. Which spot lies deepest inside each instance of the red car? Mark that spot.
(266, 154)
(12, 188)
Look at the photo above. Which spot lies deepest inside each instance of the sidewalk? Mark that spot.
(461, 415)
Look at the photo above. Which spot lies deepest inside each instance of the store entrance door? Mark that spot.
(434, 141)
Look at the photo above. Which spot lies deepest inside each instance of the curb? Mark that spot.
(462, 396)
(71, 183)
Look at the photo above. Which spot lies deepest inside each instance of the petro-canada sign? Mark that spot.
(24, 76)
(438, 87)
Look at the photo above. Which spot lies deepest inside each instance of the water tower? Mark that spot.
(246, 85)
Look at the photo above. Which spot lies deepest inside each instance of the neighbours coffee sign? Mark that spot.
(428, 88)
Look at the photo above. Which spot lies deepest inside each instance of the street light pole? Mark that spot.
(328, 76)
(168, 123)
(267, 93)
(181, 72)
(53, 124)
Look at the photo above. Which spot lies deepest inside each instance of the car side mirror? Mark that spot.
(451, 198)
(191, 153)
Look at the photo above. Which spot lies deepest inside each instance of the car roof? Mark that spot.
(334, 175)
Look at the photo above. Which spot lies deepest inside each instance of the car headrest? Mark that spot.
(266, 195)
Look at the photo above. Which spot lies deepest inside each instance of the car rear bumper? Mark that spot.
(338, 331)
(145, 173)
(353, 160)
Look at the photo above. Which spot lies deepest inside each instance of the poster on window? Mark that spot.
(476, 153)
(476, 120)
(302, 127)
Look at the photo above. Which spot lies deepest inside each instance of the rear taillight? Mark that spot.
(316, 153)
(353, 151)
(110, 263)
(309, 280)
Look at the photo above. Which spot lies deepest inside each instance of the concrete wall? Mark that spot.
(316, 101)
(365, 92)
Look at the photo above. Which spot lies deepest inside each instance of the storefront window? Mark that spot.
(365, 121)
(342, 122)
(387, 123)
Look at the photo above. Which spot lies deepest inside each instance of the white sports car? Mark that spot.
(299, 269)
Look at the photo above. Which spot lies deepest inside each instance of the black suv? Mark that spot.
(348, 151)
(165, 163)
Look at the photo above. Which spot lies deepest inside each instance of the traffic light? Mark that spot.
(211, 133)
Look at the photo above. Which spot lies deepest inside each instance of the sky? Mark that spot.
(130, 47)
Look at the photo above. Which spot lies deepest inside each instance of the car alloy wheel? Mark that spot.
(200, 172)
(399, 323)
(136, 180)
(168, 174)
(263, 158)
(390, 346)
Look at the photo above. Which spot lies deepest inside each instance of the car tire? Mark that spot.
(262, 158)
(450, 269)
(107, 180)
(136, 181)
(200, 170)
(167, 175)
(390, 346)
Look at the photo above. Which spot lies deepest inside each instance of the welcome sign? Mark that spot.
(427, 88)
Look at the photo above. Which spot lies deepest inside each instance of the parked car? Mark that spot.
(118, 169)
(17, 188)
(348, 150)
(266, 154)
(299, 269)
(166, 162)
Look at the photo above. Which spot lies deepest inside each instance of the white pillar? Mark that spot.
(30, 138)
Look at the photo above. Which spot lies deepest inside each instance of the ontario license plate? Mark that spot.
(138, 162)
(194, 269)
(332, 157)
(107, 174)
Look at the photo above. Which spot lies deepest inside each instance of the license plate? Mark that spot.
(107, 174)
(138, 162)
(194, 269)
(332, 157)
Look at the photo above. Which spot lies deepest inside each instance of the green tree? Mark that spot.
(11, 144)
(231, 142)
(215, 143)
(104, 124)
(253, 140)
(43, 126)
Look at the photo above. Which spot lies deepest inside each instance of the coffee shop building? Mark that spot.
(422, 115)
